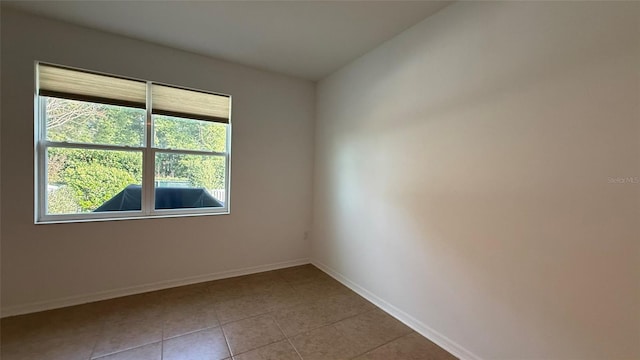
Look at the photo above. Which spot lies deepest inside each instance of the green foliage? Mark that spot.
(176, 133)
(93, 184)
(62, 201)
(207, 172)
(125, 127)
(55, 165)
(81, 122)
(76, 159)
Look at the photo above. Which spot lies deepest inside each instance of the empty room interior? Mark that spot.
(296, 180)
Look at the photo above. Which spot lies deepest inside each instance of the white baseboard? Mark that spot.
(419, 327)
(132, 290)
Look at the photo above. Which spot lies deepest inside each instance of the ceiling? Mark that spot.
(307, 39)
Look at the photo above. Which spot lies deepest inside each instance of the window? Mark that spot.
(108, 147)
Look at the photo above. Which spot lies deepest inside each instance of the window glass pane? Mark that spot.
(82, 180)
(92, 123)
(189, 181)
(188, 134)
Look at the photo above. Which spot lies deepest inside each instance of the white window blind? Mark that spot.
(87, 86)
(173, 101)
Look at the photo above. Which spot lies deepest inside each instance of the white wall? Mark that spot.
(462, 176)
(271, 175)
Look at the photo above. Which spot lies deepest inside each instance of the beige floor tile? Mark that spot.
(147, 352)
(301, 274)
(282, 298)
(275, 298)
(252, 333)
(240, 308)
(68, 333)
(325, 343)
(43, 326)
(56, 348)
(371, 329)
(179, 293)
(350, 337)
(202, 345)
(409, 347)
(324, 319)
(127, 332)
(185, 317)
(227, 289)
(147, 304)
(320, 287)
(264, 280)
(277, 351)
(186, 297)
(325, 311)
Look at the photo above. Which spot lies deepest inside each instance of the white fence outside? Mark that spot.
(219, 194)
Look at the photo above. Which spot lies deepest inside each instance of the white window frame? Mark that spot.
(41, 144)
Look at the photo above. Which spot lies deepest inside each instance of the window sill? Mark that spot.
(66, 220)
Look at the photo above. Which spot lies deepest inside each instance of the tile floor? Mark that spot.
(289, 314)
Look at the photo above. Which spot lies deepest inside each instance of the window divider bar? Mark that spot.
(190, 152)
(149, 159)
(90, 146)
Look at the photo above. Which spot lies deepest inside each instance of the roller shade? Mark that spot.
(87, 86)
(172, 101)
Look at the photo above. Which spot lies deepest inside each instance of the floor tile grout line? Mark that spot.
(164, 321)
(272, 310)
(224, 334)
(331, 323)
(273, 342)
(381, 345)
(226, 340)
(125, 349)
(286, 337)
(335, 322)
(95, 344)
(294, 348)
(247, 318)
(259, 347)
(192, 332)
